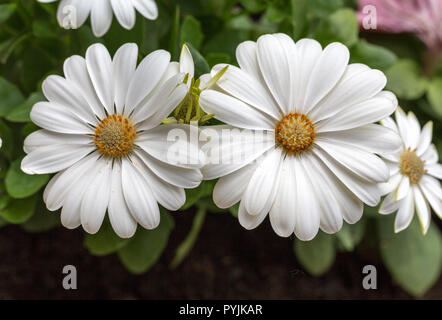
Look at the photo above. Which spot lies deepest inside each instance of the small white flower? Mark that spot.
(322, 166)
(73, 13)
(101, 130)
(414, 171)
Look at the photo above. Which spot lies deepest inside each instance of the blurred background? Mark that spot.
(202, 252)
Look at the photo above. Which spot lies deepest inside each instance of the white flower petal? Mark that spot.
(59, 187)
(230, 188)
(75, 70)
(433, 193)
(247, 220)
(139, 196)
(326, 73)
(124, 65)
(146, 78)
(282, 214)
(308, 51)
(392, 183)
(405, 213)
(163, 101)
(53, 158)
(42, 138)
(246, 88)
(96, 196)
(330, 209)
(235, 112)
(389, 204)
(248, 60)
(186, 62)
(404, 188)
(434, 169)
(422, 208)
(351, 207)
(173, 144)
(119, 215)
(65, 11)
(228, 153)
(180, 177)
(425, 138)
(430, 156)
(101, 17)
(65, 93)
(148, 8)
(368, 193)
(307, 206)
(363, 164)
(372, 138)
(365, 112)
(277, 61)
(124, 12)
(414, 130)
(58, 118)
(99, 66)
(354, 87)
(261, 191)
(169, 196)
(402, 124)
(390, 124)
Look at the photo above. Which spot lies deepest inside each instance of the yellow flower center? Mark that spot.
(115, 135)
(411, 165)
(295, 132)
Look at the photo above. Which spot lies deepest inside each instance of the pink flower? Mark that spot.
(421, 17)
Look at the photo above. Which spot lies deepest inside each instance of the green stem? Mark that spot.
(186, 246)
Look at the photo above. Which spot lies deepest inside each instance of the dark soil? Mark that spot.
(226, 263)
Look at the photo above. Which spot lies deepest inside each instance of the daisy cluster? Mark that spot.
(295, 133)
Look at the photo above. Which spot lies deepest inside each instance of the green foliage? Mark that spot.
(435, 95)
(146, 247)
(413, 259)
(19, 211)
(105, 241)
(21, 185)
(317, 255)
(405, 81)
(374, 56)
(341, 26)
(10, 97)
(191, 32)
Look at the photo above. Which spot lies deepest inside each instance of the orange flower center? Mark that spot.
(115, 135)
(295, 133)
(411, 165)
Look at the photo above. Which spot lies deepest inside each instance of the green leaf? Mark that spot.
(21, 113)
(105, 241)
(6, 11)
(374, 56)
(434, 94)
(21, 185)
(299, 17)
(42, 220)
(323, 8)
(44, 29)
(201, 65)
(317, 255)
(216, 58)
(191, 32)
(350, 235)
(341, 26)
(7, 136)
(10, 97)
(275, 14)
(186, 246)
(414, 260)
(146, 247)
(234, 210)
(193, 195)
(405, 81)
(19, 211)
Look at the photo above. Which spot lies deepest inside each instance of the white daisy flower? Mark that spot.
(102, 133)
(73, 13)
(414, 174)
(317, 164)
